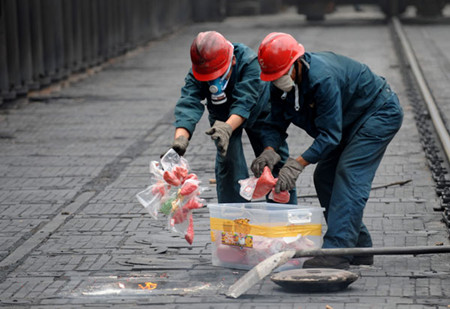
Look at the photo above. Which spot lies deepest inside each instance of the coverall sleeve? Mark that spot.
(276, 125)
(328, 120)
(247, 89)
(189, 108)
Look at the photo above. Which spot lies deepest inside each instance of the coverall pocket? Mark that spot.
(385, 122)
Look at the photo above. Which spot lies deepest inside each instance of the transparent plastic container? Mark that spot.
(244, 234)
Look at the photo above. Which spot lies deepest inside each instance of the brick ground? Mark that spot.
(72, 162)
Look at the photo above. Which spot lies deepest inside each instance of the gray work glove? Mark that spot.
(268, 157)
(288, 175)
(221, 132)
(180, 145)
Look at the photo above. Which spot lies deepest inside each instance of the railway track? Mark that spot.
(434, 133)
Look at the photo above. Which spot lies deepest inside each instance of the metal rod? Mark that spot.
(264, 268)
(373, 251)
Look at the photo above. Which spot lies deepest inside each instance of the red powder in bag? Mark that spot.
(180, 215)
(189, 236)
(265, 183)
(180, 172)
(191, 176)
(171, 178)
(159, 188)
(232, 254)
(192, 204)
(282, 197)
(188, 187)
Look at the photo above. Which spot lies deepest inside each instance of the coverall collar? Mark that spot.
(304, 84)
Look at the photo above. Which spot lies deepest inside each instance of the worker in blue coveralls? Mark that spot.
(227, 76)
(351, 113)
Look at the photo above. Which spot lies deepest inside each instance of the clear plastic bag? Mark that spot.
(247, 188)
(150, 201)
(174, 192)
(171, 159)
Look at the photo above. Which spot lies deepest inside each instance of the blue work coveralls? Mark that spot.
(248, 97)
(352, 114)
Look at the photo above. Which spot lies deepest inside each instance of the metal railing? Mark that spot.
(43, 41)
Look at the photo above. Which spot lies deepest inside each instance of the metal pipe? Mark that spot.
(264, 268)
(373, 251)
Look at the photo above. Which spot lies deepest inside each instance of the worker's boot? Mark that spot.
(327, 262)
(362, 260)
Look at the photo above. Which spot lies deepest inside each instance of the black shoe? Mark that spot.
(327, 262)
(362, 260)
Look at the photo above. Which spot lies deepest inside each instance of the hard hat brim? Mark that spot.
(210, 76)
(272, 77)
(269, 77)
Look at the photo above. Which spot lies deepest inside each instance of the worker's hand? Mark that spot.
(221, 132)
(288, 175)
(268, 157)
(180, 144)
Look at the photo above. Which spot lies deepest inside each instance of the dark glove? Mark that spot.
(180, 145)
(268, 157)
(221, 132)
(288, 175)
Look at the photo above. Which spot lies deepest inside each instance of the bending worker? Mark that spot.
(227, 76)
(351, 113)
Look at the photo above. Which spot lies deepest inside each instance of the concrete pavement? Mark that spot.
(71, 163)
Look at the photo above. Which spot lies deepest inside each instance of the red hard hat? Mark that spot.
(211, 55)
(276, 54)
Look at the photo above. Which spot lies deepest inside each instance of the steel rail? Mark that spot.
(439, 126)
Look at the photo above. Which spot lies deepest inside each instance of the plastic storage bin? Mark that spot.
(244, 234)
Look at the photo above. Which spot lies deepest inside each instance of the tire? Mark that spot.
(392, 7)
(315, 10)
(430, 8)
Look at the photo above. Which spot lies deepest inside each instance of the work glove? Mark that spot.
(221, 132)
(268, 157)
(288, 175)
(180, 145)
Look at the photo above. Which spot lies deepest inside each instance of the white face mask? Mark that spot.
(285, 82)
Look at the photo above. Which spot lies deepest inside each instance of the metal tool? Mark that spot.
(264, 268)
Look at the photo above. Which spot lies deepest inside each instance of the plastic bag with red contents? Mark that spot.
(182, 210)
(181, 220)
(265, 183)
(282, 197)
(174, 193)
(189, 236)
(157, 194)
(254, 188)
(189, 186)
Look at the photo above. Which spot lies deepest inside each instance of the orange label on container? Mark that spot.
(237, 239)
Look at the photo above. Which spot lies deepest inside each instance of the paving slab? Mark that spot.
(74, 235)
